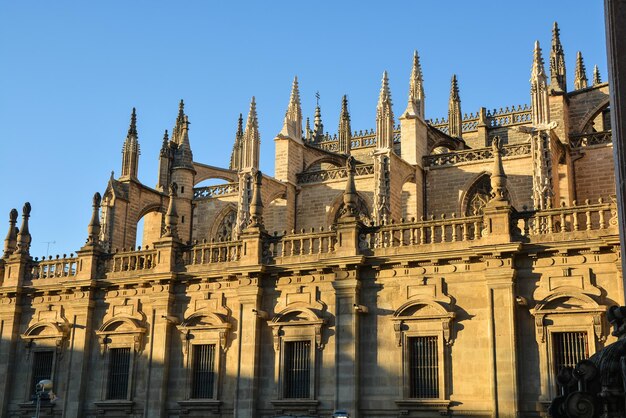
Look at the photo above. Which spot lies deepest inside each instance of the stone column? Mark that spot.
(249, 294)
(157, 350)
(10, 313)
(346, 287)
(615, 18)
(79, 347)
(500, 281)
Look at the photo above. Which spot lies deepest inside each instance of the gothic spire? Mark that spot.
(251, 139)
(596, 76)
(130, 150)
(23, 236)
(539, 89)
(183, 157)
(10, 241)
(318, 126)
(345, 133)
(580, 76)
(93, 230)
(384, 116)
(558, 81)
(165, 146)
(292, 126)
(235, 156)
(416, 89)
(455, 118)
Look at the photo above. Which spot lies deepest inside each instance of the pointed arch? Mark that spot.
(475, 196)
(591, 114)
(364, 209)
(223, 228)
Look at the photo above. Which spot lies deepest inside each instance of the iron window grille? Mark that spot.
(423, 367)
(203, 371)
(297, 373)
(119, 373)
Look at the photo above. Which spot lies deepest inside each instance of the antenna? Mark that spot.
(48, 246)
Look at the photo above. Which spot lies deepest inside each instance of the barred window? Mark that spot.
(203, 371)
(119, 370)
(42, 367)
(423, 367)
(569, 348)
(297, 365)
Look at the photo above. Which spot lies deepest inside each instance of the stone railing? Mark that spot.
(509, 117)
(51, 268)
(332, 174)
(577, 218)
(303, 243)
(360, 139)
(213, 191)
(495, 118)
(471, 155)
(590, 139)
(134, 260)
(213, 252)
(431, 231)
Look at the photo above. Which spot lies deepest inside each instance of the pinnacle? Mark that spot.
(252, 121)
(294, 99)
(454, 88)
(385, 93)
(344, 107)
(538, 68)
(580, 75)
(596, 75)
(240, 126)
(132, 129)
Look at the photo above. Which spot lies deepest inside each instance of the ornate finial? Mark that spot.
(384, 116)
(236, 154)
(455, 118)
(130, 150)
(345, 132)
(580, 75)
(171, 216)
(93, 230)
(10, 241)
(538, 67)
(23, 236)
(165, 148)
(240, 126)
(596, 76)
(256, 206)
(308, 133)
(132, 129)
(317, 98)
(498, 177)
(350, 194)
(558, 81)
(318, 126)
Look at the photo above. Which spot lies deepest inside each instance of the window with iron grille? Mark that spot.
(423, 362)
(297, 369)
(203, 371)
(119, 371)
(42, 367)
(569, 348)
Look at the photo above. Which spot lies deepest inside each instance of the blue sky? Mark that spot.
(72, 70)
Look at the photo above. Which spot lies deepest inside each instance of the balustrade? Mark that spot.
(304, 243)
(51, 268)
(138, 260)
(590, 139)
(213, 252)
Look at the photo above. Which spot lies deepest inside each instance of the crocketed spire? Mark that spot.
(580, 75)
(455, 118)
(251, 139)
(384, 116)
(415, 106)
(130, 150)
(235, 156)
(596, 76)
(345, 133)
(292, 126)
(558, 81)
(539, 89)
(183, 157)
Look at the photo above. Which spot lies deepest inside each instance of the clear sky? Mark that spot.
(72, 70)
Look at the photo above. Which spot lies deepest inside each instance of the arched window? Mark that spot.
(226, 228)
(477, 196)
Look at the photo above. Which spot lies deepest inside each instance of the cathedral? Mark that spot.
(417, 269)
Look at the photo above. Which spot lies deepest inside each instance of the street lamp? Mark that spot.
(43, 389)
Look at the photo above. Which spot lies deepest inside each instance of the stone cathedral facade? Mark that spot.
(419, 269)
